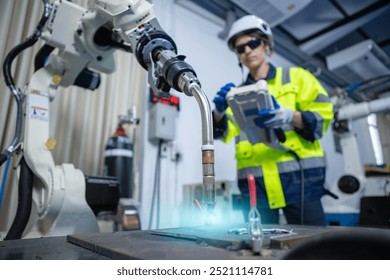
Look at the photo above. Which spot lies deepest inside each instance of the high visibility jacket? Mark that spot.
(277, 172)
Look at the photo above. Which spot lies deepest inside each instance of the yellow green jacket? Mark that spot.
(277, 172)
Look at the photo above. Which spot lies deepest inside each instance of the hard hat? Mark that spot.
(248, 24)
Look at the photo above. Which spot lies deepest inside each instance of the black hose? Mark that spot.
(3, 158)
(24, 203)
(16, 94)
(280, 135)
(26, 44)
(15, 51)
(7, 65)
(298, 159)
(41, 56)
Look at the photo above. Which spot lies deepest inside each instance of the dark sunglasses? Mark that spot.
(253, 44)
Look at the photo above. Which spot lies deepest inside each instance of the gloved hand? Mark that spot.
(274, 118)
(220, 98)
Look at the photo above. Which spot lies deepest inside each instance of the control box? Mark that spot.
(162, 122)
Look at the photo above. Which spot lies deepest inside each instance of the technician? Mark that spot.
(291, 177)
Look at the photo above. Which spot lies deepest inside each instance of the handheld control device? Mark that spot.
(246, 102)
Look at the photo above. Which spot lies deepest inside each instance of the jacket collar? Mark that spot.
(270, 75)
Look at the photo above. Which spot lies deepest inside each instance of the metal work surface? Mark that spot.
(207, 243)
(47, 248)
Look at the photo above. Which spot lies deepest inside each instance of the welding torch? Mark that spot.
(156, 52)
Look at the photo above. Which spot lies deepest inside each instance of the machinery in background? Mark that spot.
(363, 190)
(79, 44)
(119, 163)
(119, 153)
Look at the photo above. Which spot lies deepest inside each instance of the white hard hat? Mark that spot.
(248, 24)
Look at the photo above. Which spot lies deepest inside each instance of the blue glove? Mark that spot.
(220, 98)
(274, 118)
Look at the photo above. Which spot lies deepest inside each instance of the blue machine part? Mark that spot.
(344, 219)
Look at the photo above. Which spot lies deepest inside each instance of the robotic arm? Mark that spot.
(134, 21)
(347, 112)
(354, 183)
(85, 40)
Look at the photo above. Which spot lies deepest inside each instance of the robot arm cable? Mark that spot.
(11, 84)
(24, 203)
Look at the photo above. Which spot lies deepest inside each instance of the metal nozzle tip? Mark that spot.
(210, 207)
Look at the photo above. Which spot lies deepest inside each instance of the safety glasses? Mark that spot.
(253, 44)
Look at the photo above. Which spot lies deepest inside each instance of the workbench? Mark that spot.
(207, 242)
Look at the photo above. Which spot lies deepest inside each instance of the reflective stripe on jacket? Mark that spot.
(298, 89)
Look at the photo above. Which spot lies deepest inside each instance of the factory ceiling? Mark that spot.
(343, 42)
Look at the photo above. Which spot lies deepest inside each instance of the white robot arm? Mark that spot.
(353, 183)
(84, 40)
(87, 38)
(347, 112)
